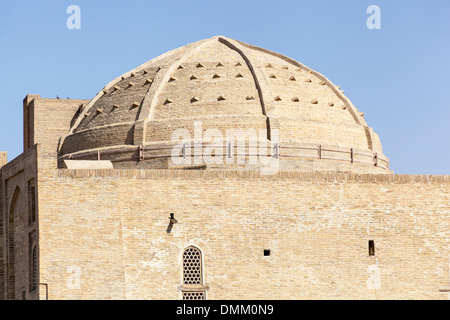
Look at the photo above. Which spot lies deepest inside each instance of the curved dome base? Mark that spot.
(278, 157)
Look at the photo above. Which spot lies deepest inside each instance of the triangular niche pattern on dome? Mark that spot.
(163, 67)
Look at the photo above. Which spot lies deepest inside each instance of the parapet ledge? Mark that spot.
(241, 174)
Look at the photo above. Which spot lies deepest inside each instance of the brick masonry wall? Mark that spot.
(104, 234)
(14, 178)
(48, 120)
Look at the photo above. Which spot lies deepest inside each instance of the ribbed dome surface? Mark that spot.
(225, 84)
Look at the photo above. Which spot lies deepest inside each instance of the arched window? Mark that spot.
(11, 274)
(193, 288)
(31, 201)
(32, 259)
(33, 282)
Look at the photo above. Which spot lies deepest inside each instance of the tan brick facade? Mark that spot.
(317, 227)
(333, 222)
(18, 230)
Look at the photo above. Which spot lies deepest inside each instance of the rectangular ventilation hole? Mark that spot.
(371, 248)
(266, 252)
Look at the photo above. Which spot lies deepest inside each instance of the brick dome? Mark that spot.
(224, 84)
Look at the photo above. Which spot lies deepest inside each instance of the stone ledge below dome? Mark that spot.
(87, 164)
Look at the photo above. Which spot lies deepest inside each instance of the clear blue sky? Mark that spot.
(398, 75)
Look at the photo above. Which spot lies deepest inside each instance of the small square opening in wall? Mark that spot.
(371, 248)
(266, 252)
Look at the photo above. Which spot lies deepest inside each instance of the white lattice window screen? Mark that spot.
(192, 274)
(192, 266)
(194, 295)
